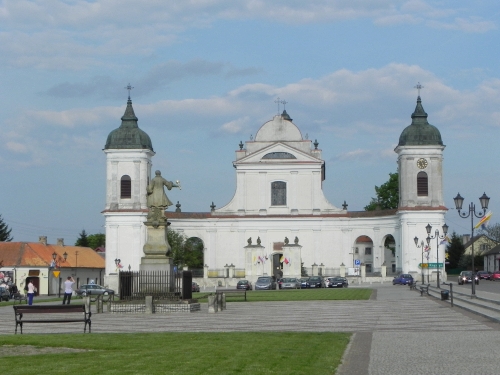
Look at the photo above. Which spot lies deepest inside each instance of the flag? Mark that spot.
(282, 259)
(484, 220)
(446, 240)
(286, 261)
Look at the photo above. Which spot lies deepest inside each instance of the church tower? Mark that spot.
(420, 163)
(420, 167)
(128, 152)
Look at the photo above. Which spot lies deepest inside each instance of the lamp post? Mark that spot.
(421, 264)
(428, 228)
(459, 201)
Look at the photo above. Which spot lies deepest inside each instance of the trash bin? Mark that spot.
(445, 295)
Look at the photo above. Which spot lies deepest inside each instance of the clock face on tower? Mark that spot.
(421, 163)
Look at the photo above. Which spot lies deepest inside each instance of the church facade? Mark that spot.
(279, 221)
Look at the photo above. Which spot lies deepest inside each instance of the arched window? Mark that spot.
(422, 184)
(278, 193)
(125, 187)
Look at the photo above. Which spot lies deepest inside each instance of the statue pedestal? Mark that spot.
(155, 250)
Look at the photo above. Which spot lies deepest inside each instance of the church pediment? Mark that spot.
(278, 153)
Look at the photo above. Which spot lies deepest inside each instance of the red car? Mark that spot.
(495, 276)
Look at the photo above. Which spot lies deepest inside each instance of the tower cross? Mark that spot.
(278, 101)
(129, 88)
(284, 104)
(418, 87)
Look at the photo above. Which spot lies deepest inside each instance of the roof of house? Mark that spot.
(477, 238)
(495, 250)
(35, 254)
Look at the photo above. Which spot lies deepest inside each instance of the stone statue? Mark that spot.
(286, 241)
(296, 240)
(157, 200)
(249, 241)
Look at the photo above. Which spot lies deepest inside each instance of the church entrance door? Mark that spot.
(277, 266)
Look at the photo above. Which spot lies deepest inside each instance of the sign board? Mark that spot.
(357, 262)
(430, 265)
(56, 273)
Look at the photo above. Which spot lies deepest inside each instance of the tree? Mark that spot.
(176, 241)
(83, 240)
(455, 250)
(4, 231)
(491, 231)
(387, 195)
(185, 251)
(96, 240)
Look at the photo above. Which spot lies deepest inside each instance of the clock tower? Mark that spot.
(420, 163)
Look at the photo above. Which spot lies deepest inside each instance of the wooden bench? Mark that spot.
(232, 291)
(20, 297)
(38, 311)
(424, 288)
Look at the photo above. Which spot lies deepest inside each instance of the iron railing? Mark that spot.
(161, 285)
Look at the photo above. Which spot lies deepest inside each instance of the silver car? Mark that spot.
(290, 283)
(93, 290)
(265, 283)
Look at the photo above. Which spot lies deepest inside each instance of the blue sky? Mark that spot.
(205, 75)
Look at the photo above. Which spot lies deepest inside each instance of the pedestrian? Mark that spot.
(68, 289)
(31, 292)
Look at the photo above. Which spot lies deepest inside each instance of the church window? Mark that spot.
(368, 251)
(279, 155)
(126, 187)
(422, 184)
(278, 193)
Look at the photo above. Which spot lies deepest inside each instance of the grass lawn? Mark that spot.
(320, 294)
(180, 353)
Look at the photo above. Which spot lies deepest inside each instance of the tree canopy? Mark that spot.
(91, 240)
(83, 240)
(387, 195)
(4, 231)
(491, 231)
(185, 251)
(455, 251)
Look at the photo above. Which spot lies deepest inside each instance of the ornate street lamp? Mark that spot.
(421, 264)
(485, 200)
(428, 228)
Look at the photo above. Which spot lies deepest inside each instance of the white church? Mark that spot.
(279, 221)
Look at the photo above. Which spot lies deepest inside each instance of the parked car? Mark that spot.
(4, 294)
(290, 283)
(316, 282)
(93, 289)
(495, 276)
(337, 282)
(466, 277)
(265, 283)
(244, 284)
(304, 282)
(403, 279)
(195, 287)
(484, 275)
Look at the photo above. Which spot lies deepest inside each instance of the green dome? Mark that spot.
(420, 132)
(128, 135)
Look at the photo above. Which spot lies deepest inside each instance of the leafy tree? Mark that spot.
(185, 251)
(455, 250)
(96, 240)
(193, 252)
(83, 240)
(4, 231)
(387, 195)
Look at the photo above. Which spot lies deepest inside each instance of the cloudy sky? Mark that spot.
(206, 74)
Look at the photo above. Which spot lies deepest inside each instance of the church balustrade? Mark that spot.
(224, 272)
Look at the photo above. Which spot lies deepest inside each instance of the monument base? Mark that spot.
(157, 263)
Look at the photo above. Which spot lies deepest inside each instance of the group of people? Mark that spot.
(30, 290)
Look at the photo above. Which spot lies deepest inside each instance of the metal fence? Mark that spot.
(162, 285)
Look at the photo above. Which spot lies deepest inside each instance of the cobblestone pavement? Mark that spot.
(395, 332)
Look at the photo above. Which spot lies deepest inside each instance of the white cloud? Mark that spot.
(16, 147)
(76, 35)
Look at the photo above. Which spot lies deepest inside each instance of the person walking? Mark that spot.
(31, 293)
(68, 289)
